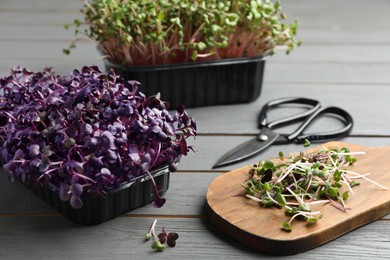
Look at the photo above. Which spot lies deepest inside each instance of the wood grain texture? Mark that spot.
(48, 237)
(259, 228)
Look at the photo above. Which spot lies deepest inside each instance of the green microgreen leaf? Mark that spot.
(158, 246)
(280, 199)
(345, 195)
(312, 220)
(268, 165)
(148, 236)
(332, 192)
(286, 227)
(354, 183)
(304, 207)
(266, 186)
(337, 175)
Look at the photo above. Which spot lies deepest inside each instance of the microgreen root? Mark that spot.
(363, 176)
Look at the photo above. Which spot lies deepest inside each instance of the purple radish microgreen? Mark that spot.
(86, 132)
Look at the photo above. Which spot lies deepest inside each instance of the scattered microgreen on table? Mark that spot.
(300, 181)
(162, 240)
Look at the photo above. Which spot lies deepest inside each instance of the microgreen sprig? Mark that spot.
(161, 240)
(300, 181)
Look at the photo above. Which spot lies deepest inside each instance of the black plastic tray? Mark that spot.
(96, 210)
(198, 84)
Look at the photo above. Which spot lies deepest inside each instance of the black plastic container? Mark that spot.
(198, 84)
(96, 210)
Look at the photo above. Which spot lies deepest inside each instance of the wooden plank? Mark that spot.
(360, 14)
(123, 238)
(16, 40)
(51, 50)
(275, 72)
(211, 148)
(40, 6)
(313, 72)
(36, 32)
(335, 53)
(187, 188)
(241, 119)
(364, 107)
(30, 20)
(343, 36)
(185, 196)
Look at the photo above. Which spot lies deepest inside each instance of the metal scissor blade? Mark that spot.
(247, 149)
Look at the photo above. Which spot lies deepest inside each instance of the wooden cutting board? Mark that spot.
(259, 228)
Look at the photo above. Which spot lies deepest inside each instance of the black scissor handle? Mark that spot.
(329, 135)
(263, 121)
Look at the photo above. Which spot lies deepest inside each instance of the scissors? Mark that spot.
(268, 136)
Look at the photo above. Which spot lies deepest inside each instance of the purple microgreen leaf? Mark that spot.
(158, 202)
(64, 192)
(76, 202)
(162, 237)
(34, 150)
(76, 189)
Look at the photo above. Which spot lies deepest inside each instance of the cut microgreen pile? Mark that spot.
(300, 181)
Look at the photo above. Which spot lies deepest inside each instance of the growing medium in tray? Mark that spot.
(87, 132)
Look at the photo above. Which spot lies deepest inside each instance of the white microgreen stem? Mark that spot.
(359, 177)
(320, 181)
(306, 213)
(317, 202)
(364, 177)
(338, 206)
(152, 227)
(309, 183)
(253, 198)
(349, 153)
(302, 213)
(295, 196)
(285, 174)
(309, 202)
(270, 197)
(346, 181)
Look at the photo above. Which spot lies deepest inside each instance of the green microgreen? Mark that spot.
(146, 32)
(281, 155)
(301, 181)
(306, 143)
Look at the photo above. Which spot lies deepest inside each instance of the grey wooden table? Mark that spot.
(344, 61)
